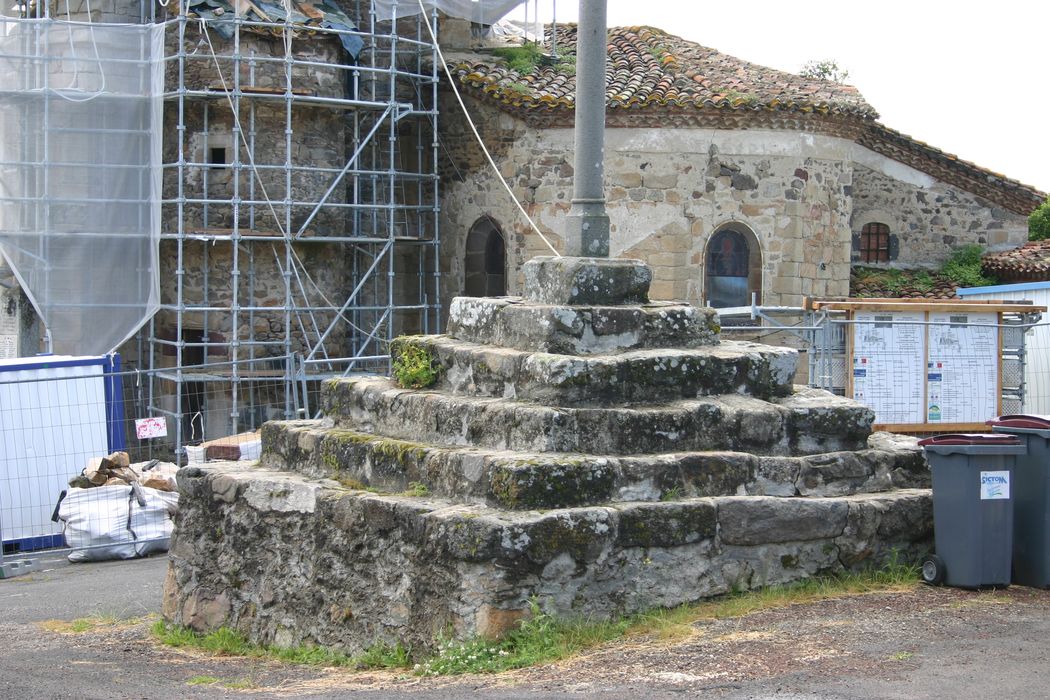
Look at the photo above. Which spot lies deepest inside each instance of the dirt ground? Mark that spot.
(922, 643)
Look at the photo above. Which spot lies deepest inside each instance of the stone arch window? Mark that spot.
(732, 267)
(874, 244)
(486, 260)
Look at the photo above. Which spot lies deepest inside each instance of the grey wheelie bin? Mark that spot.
(1031, 498)
(973, 508)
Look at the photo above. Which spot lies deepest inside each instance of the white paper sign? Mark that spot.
(995, 485)
(155, 427)
(888, 350)
(962, 372)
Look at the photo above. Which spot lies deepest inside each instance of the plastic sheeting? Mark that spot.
(80, 175)
(480, 11)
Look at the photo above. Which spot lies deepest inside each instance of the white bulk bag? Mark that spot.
(116, 522)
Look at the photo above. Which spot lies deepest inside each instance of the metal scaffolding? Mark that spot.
(299, 206)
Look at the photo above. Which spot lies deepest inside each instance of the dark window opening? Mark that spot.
(193, 398)
(875, 243)
(486, 260)
(217, 156)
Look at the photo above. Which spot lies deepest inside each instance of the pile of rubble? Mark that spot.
(116, 469)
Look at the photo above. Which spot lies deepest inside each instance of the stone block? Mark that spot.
(580, 330)
(586, 281)
(755, 520)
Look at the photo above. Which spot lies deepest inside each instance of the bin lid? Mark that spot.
(984, 439)
(1021, 420)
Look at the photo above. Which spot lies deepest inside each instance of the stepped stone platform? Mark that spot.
(581, 447)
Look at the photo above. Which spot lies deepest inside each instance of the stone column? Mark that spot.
(587, 230)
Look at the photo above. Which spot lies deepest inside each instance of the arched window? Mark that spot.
(875, 243)
(486, 260)
(733, 268)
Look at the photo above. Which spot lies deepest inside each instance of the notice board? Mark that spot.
(925, 366)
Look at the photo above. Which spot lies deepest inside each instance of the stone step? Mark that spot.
(302, 560)
(637, 376)
(808, 421)
(519, 480)
(511, 322)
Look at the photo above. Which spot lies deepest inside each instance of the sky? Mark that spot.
(966, 77)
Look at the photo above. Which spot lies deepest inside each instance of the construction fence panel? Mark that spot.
(827, 354)
(88, 453)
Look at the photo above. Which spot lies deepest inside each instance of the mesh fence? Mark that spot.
(88, 453)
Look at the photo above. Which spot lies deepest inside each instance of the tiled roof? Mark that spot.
(655, 79)
(867, 283)
(1029, 263)
(648, 67)
(1008, 193)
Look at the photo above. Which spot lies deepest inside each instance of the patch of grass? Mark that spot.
(964, 268)
(522, 59)
(416, 489)
(87, 624)
(922, 281)
(202, 680)
(413, 366)
(519, 88)
(540, 638)
(566, 64)
(543, 638)
(237, 684)
(902, 656)
(671, 494)
(227, 642)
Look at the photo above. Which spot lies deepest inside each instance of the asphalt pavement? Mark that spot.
(922, 643)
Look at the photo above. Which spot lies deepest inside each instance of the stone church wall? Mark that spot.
(928, 218)
(803, 196)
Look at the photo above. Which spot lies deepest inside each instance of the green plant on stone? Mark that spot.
(522, 59)
(922, 281)
(413, 366)
(671, 494)
(964, 268)
(417, 489)
(519, 88)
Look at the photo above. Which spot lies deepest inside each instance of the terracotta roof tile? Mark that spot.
(1029, 263)
(1009, 193)
(868, 283)
(656, 79)
(648, 67)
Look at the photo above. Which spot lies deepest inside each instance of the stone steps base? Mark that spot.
(808, 421)
(639, 376)
(546, 480)
(290, 560)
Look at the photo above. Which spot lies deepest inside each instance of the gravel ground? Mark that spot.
(921, 643)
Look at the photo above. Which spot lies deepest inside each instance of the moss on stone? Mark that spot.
(540, 483)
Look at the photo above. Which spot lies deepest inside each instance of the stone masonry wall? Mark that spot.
(929, 218)
(804, 197)
(262, 286)
(668, 192)
(317, 139)
(289, 560)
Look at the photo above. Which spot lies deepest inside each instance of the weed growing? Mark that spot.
(413, 366)
(227, 642)
(543, 638)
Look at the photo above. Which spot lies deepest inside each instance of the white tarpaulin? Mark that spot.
(480, 11)
(80, 175)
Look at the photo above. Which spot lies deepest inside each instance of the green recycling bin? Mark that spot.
(973, 509)
(1032, 498)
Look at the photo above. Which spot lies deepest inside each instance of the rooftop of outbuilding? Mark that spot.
(649, 68)
(656, 79)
